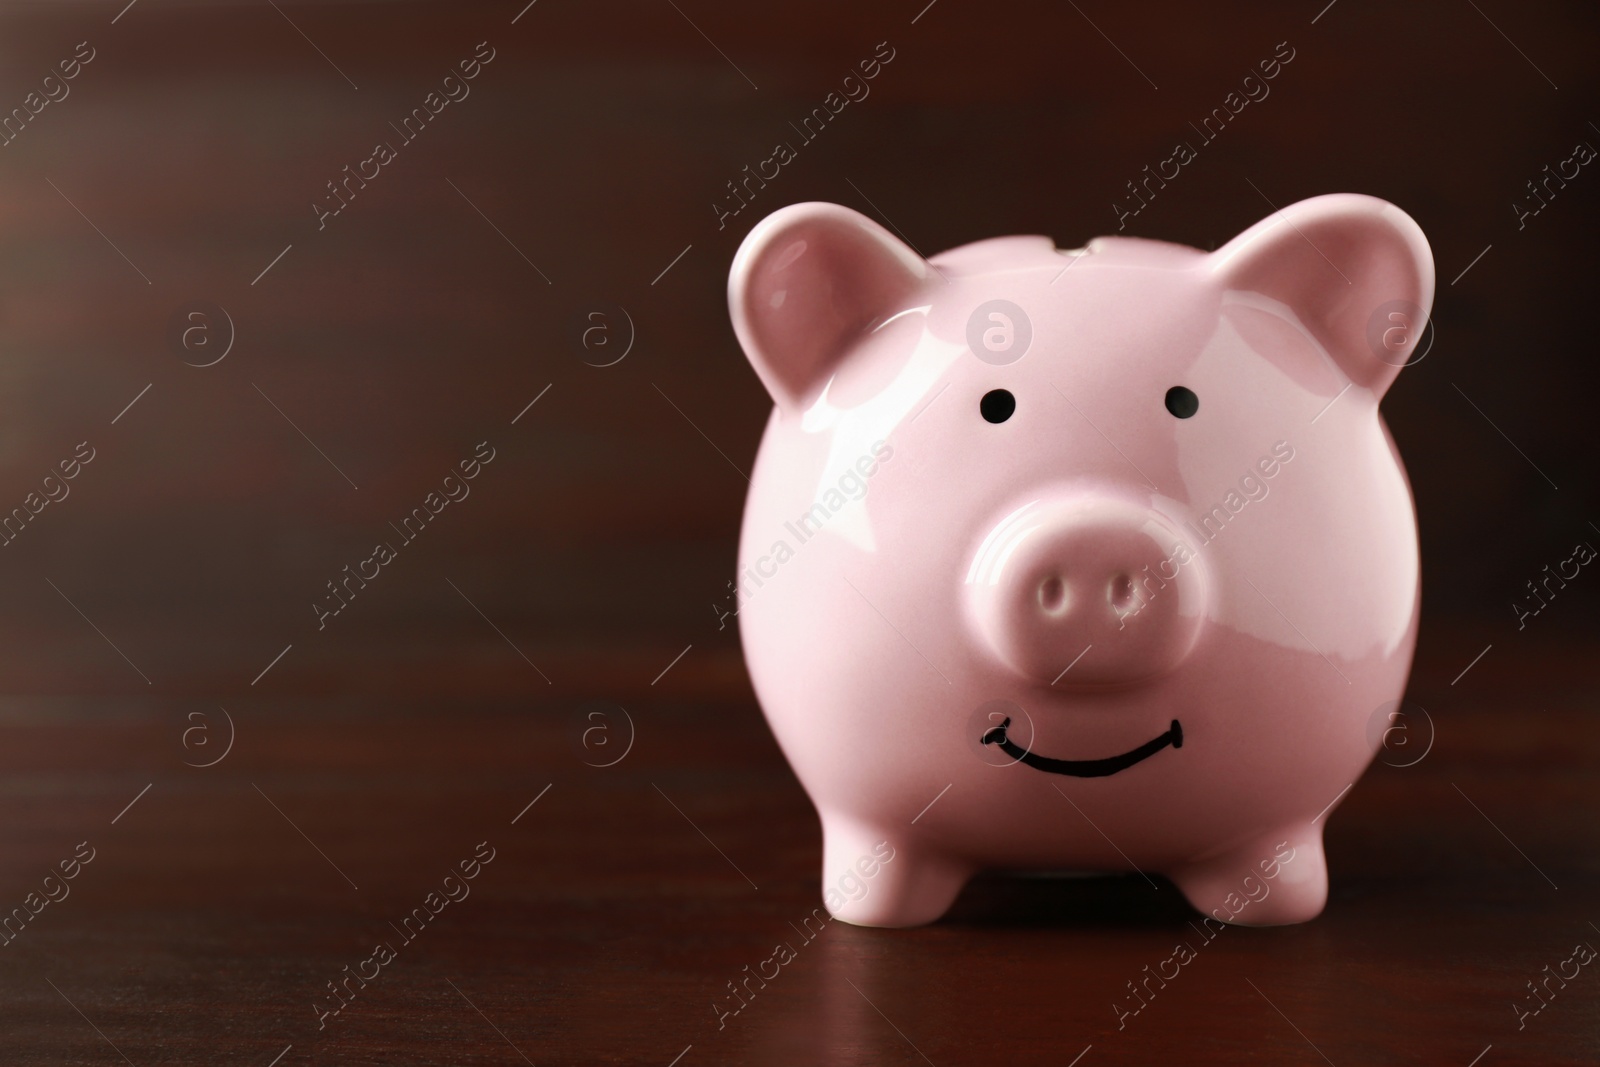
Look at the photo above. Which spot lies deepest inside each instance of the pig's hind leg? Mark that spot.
(1274, 880)
(873, 877)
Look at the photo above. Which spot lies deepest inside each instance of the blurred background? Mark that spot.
(537, 275)
(385, 342)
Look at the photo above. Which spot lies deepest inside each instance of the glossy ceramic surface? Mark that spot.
(1088, 560)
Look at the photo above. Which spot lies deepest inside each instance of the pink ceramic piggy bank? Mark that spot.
(1089, 560)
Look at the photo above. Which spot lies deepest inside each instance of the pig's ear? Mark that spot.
(1356, 270)
(808, 282)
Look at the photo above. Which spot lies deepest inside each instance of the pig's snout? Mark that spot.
(1087, 591)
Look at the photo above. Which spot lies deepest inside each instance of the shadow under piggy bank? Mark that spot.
(1070, 900)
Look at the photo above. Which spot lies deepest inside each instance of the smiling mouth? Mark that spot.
(1083, 768)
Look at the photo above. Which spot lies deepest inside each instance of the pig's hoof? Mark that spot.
(1276, 880)
(873, 878)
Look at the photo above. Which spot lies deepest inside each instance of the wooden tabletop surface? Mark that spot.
(611, 906)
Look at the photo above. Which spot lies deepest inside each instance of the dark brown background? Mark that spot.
(409, 330)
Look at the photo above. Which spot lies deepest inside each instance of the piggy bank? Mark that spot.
(1099, 560)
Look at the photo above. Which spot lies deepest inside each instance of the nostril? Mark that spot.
(1119, 592)
(1053, 594)
(1074, 568)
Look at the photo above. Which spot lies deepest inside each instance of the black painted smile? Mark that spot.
(1083, 768)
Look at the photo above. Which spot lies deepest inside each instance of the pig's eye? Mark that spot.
(997, 405)
(1182, 402)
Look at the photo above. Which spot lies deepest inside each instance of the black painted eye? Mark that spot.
(997, 405)
(1182, 402)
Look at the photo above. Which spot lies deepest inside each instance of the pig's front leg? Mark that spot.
(876, 877)
(1277, 879)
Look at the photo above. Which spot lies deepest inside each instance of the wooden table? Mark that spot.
(621, 901)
